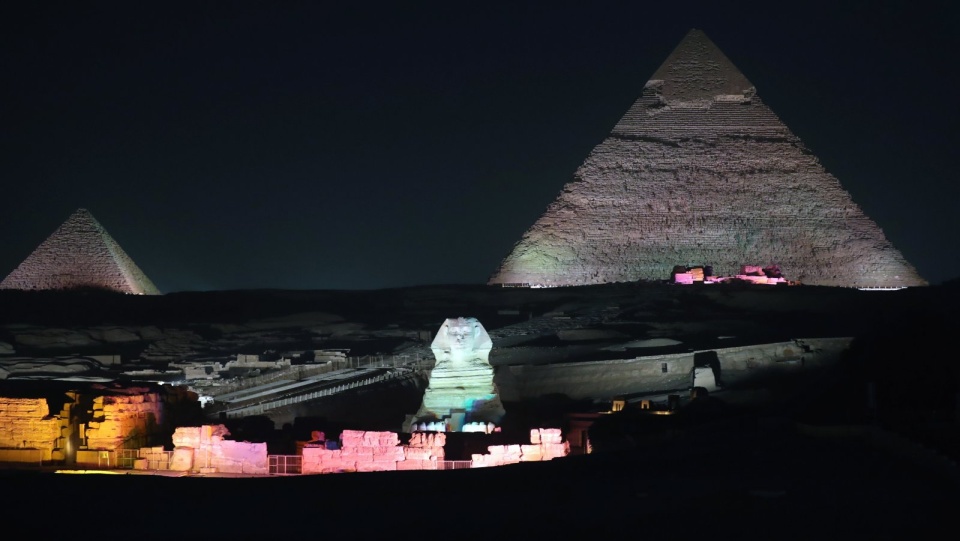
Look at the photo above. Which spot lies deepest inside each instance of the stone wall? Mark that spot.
(26, 423)
(545, 444)
(656, 373)
(361, 451)
(204, 449)
(124, 421)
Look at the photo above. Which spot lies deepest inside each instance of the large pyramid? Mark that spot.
(700, 172)
(80, 254)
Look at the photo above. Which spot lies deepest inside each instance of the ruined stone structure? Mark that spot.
(28, 433)
(80, 254)
(374, 451)
(123, 421)
(461, 388)
(699, 171)
(545, 444)
(206, 449)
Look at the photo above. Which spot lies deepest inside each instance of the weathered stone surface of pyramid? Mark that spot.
(80, 254)
(699, 171)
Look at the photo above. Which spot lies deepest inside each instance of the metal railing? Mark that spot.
(454, 464)
(259, 409)
(285, 464)
(126, 457)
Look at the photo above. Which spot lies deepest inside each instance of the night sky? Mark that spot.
(311, 145)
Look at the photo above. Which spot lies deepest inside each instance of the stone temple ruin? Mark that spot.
(461, 395)
(699, 171)
(80, 254)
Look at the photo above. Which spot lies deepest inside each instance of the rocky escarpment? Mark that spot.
(700, 171)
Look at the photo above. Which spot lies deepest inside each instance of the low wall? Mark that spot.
(205, 449)
(375, 451)
(660, 373)
(545, 444)
(24, 456)
(26, 425)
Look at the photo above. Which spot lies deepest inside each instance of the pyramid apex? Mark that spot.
(698, 70)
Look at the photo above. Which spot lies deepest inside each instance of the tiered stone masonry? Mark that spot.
(80, 254)
(205, 449)
(26, 423)
(700, 171)
(118, 418)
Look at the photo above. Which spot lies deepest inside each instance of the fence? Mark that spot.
(454, 464)
(301, 371)
(126, 457)
(159, 460)
(285, 464)
(260, 409)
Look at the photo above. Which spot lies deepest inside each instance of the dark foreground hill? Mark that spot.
(867, 452)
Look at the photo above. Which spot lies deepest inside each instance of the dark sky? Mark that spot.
(309, 145)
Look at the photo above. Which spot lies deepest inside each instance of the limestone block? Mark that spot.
(482, 461)
(388, 453)
(357, 453)
(550, 435)
(530, 452)
(344, 466)
(416, 453)
(252, 456)
(182, 459)
(376, 465)
(555, 450)
(388, 438)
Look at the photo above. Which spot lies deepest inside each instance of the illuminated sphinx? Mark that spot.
(461, 388)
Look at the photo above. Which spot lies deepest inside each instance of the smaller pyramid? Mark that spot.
(80, 254)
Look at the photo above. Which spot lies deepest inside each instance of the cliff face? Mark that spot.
(700, 171)
(80, 254)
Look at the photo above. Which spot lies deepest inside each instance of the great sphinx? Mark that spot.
(460, 388)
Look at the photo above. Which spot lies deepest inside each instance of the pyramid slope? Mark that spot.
(699, 171)
(80, 254)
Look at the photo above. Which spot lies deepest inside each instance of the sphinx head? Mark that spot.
(462, 338)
